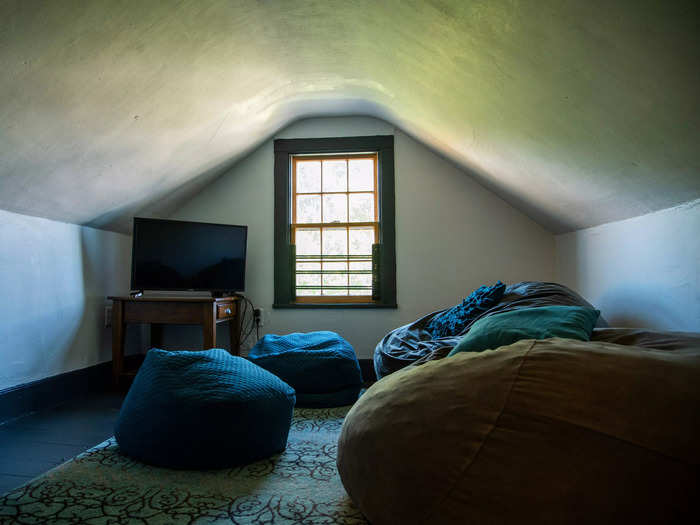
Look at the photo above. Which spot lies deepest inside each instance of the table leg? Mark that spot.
(234, 331)
(118, 329)
(209, 327)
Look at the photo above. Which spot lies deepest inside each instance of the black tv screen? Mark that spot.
(179, 255)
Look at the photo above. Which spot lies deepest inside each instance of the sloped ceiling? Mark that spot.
(577, 112)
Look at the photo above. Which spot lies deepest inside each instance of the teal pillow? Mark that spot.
(570, 322)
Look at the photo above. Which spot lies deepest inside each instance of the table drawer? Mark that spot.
(225, 310)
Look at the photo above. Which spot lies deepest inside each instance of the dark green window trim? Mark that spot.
(284, 149)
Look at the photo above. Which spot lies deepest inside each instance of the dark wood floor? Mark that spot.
(35, 443)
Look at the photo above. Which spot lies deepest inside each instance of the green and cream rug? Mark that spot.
(101, 486)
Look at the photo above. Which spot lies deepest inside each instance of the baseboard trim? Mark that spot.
(367, 369)
(51, 391)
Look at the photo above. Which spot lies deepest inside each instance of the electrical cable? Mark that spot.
(252, 322)
(247, 327)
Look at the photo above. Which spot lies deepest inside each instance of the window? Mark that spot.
(334, 226)
(334, 222)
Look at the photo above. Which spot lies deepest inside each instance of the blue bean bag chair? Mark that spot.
(321, 366)
(205, 409)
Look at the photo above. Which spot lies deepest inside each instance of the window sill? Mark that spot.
(316, 306)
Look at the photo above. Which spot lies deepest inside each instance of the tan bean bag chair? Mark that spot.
(553, 431)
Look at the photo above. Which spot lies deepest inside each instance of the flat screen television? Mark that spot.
(180, 255)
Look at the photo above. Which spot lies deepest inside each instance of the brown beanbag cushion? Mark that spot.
(676, 341)
(551, 431)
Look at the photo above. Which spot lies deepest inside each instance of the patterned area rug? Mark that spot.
(101, 486)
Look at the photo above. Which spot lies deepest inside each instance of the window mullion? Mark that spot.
(294, 192)
(321, 233)
(347, 228)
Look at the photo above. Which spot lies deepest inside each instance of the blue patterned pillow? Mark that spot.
(452, 321)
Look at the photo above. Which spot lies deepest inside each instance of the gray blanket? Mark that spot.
(413, 344)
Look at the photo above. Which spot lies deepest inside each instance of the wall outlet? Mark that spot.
(108, 315)
(259, 316)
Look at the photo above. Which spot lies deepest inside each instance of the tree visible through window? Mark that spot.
(334, 226)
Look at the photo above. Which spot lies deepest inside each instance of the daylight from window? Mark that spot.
(334, 225)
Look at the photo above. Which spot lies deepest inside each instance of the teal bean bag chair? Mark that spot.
(321, 366)
(204, 409)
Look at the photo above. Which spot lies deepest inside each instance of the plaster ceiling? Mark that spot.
(576, 112)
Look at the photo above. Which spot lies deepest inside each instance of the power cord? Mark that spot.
(250, 320)
(256, 316)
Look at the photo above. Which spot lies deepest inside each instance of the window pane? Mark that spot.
(335, 208)
(361, 207)
(361, 280)
(334, 292)
(361, 241)
(335, 279)
(309, 266)
(335, 241)
(308, 241)
(361, 175)
(309, 176)
(313, 291)
(335, 177)
(364, 280)
(308, 208)
(361, 265)
(308, 279)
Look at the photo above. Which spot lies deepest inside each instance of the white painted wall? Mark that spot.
(643, 271)
(452, 235)
(54, 278)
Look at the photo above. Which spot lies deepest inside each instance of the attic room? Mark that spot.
(390, 262)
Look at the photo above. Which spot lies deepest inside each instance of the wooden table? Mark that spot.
(159, 311)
